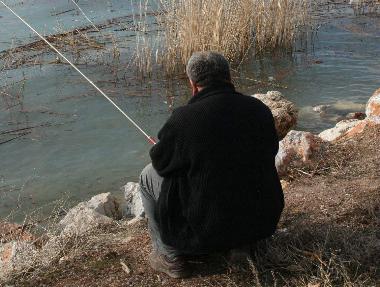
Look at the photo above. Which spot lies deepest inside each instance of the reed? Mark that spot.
(362, 7)
(234, 28)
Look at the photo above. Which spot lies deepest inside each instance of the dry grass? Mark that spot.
(233, 28)
(328, 236)
(305, 255)
(320, 254)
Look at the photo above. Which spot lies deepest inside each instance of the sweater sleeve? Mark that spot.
(166, 155)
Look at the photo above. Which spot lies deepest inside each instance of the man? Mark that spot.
(212, 185)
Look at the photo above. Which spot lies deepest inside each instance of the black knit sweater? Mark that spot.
(221, 189)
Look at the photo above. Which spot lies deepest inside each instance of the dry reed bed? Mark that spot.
(233, 28)
(365, 6)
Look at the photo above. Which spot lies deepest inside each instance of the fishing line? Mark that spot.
(88, 19)
(150, 139)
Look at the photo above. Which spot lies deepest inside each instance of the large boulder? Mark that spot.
(284, 112)
(133, 202)
(339, 130)
(358, 129)
(373, 107)
(296, 148)
(101, 209)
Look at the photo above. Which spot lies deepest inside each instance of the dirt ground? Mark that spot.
(329, 235)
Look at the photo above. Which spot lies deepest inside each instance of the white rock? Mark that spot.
(296, 148)
(81, 219)
(339, 130)
(105, 204)
(100, 209)
(284, 112)
(16, 256)
(134, 206)
(373, 107)
(52, 249)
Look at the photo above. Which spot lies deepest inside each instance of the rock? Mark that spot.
(284, 184)
(355, 116)
(16, 256)
(125, 267)
(12, 231)
(135, 220)
(373, 107)
(101, 209)
(81, 219)
(296, 148)
(348, 129)
(56, 249)
(284, 112)
(17, 247)
(358, 129)
(373, 116)
(339, 130)
(340, 110)
(105, 204)
(321, 108)
(134, 206)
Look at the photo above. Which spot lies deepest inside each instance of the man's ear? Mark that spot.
(194, 87)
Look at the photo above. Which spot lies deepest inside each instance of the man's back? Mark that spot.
(220, 188)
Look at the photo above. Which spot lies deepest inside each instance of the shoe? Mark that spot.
(240, 255)
(174, 267)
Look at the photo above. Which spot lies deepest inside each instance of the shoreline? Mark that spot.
(306, 161)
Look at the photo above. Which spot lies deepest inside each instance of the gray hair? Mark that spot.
(205, 68)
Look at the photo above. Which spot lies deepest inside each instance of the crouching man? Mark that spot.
(212, 185)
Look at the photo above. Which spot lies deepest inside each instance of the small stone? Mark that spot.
(321, 108)
(284, 184)
(125, 267)
(296, 148)
(355, 116)
(135, 220)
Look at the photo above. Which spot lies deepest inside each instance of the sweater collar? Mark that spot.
(216, 88)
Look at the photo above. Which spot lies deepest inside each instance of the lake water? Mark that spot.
(82, 146)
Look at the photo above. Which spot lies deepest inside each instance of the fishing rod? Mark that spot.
(150, 139)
